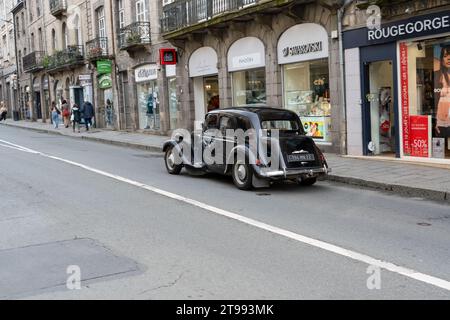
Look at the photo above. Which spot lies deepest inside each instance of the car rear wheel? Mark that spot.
(171, 165)
(308, 182)
(242, 175)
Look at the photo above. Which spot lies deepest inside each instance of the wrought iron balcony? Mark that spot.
(134, 35)
(64, 59)
(58, 7)
(184, 13)
(33, 62)
(97, 49)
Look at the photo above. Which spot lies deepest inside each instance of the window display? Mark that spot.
(148, 104)
(249, 87)
(306, 92)
(429, 92)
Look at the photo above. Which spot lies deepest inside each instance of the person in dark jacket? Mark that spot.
(88, 113)
(76, 117)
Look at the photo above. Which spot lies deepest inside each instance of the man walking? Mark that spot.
(88, 113)
(3, 111)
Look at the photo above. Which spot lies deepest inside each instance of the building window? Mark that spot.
(307, 93)
(65, 36)
(54, 41)
(141, 11)
(101, 22)
(121, 14)
(429, 98)
(249, 87)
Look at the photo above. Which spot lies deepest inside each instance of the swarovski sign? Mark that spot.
(146, 73)
(303, 49)
(303, 42)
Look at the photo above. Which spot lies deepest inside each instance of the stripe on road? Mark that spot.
(437, 282)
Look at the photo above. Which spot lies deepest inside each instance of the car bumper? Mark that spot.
(288, 174)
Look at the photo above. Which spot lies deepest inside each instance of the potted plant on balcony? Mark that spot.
(96, 52)
(46, 61)
(134, 38)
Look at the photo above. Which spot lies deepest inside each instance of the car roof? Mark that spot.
(260, 110)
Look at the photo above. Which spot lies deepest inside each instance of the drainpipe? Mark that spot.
(340, 13)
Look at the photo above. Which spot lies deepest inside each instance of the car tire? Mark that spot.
(308, 182)
(242, 174)
(169, 160)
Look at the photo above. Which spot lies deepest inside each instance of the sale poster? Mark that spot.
(420, 134)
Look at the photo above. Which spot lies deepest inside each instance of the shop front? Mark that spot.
(204, 73)
(247, 67)
(174, 114)
(148, 104)
(405, 87)
(303, 55)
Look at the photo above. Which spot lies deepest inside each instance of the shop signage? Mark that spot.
(439, 148)
(246, 53)
(420, 130)
(146, 72)
(104, 66)
(105, 81)
(203, 62)
(247, 61)
(168, 56)
(303, 42)
(414, 27)
(84, 77)
(405, 98)
(171, 71)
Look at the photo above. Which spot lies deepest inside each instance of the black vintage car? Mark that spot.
(255, 145)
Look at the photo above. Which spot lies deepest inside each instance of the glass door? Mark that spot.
(379, 98)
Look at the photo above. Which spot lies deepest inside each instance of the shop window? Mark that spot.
(307, 92)
(429, 98)
(249, 87)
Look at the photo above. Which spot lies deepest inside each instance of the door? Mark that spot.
(379, 104)
(37, 104)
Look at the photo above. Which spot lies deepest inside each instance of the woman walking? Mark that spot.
(55, 115)
(76, 117)
(65, 113)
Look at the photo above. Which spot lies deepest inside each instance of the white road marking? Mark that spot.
(437, 282)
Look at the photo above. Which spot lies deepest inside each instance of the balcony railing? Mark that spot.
(134, 35)
(58, 7)
(33, 61)
(183, 13)
(72, 55)
(97, 48)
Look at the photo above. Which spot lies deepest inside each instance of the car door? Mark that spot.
(209, 140)
(227, 127)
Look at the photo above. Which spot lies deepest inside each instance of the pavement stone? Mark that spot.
(412, 180)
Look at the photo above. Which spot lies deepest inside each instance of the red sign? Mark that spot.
(420, 133)
(168, 56)
(405, 98)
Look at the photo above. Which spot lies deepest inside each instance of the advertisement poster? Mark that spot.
(316, 127)
(442, 89)
(439, 148)
(420, 133)
(405, 98)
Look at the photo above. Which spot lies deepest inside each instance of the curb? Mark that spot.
(94, 139)
(401, 190)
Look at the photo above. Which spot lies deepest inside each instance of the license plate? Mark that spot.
(301, 157)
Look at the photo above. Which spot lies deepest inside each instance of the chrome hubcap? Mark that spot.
(241, 172)
(170, 160)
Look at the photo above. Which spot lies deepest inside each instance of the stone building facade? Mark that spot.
(282, 54)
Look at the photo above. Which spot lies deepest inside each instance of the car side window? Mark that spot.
(244, 123)
(211, 121)
(227, 123)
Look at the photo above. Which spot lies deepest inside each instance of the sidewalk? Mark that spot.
(413, 180)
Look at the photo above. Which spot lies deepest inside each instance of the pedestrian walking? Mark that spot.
(55, 115)
(75, 117)
(88, 113)
(3, 111)
(65, 113)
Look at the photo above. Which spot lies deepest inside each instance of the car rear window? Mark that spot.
(283, 121)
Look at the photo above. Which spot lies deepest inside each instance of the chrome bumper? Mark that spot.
(293, 173)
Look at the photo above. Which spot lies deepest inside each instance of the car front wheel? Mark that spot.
(171, 165)
(242, 175)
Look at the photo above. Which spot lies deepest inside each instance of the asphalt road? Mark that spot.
(113, 212)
